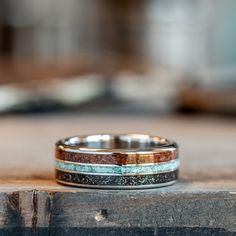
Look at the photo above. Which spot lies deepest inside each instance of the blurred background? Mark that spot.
(163, 67)
(161, 56)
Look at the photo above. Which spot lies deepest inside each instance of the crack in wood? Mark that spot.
(35, 211)
(49, 208)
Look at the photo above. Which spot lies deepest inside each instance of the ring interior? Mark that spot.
(108, 141)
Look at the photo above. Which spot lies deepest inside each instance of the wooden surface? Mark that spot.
(203, 202)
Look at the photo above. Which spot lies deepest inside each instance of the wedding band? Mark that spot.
(116, 161)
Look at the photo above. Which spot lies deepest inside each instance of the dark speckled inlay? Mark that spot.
(111, 180)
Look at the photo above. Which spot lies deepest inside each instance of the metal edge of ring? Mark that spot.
(170, 145)
(115, 187)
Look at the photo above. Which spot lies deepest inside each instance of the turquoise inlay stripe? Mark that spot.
(135, 169)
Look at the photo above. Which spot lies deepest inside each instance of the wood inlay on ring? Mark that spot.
(116, 158)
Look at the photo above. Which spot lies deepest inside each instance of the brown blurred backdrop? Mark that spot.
(146, 55)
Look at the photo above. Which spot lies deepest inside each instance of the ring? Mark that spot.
(116, 161)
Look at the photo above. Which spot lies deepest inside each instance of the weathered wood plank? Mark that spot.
(203, 202)
(176, 207)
